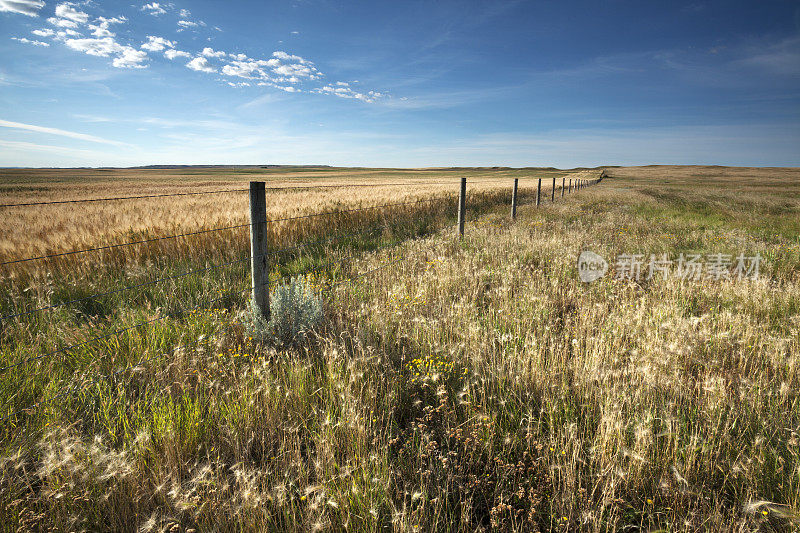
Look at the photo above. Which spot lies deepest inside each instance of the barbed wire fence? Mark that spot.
(261, 258)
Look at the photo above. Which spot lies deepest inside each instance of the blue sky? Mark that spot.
(411, 83)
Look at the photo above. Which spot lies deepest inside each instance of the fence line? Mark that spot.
(222, 191)
(291, 248)
(86, 200)
(259, 250)
(66, 390)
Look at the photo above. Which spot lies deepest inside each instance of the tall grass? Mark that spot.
(476, 384)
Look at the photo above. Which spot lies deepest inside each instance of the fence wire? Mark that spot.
(83, 384)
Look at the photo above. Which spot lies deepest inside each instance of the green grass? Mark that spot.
(475, 385)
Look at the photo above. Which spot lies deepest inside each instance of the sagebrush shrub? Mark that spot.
(295, 310)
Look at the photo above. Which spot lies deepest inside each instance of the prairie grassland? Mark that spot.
(38, 230)
(475, 384)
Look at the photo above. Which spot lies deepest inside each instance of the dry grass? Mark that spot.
(474, 385)
(48, 229)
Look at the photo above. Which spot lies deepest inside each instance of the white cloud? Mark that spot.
(154, 9)
(55, 131)
(237, 70)
(28, 41)
(295, 70)
(172, 54)
(200, 64)
(156, 44)
(281, 70)
(113, 20)
(101, 29)
(23, 7)
(295, 33)
(284, 71)
(184, 13)
(94, 47)
(124, 56)
(287, 57)
(250, 69)
(62, 23)
(63, 34)
(66, 11)
(209, 52)
(130, 58)
(347, 92)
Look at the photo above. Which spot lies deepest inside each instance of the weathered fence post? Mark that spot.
(570, 186)
(514, 200)
(258, 247)
(562, 187)
(462, 206)
(553, 193)
(539, 193)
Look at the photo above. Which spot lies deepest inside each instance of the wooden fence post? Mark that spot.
(462, 206)
(258, 247)
(539, 192)
(553, 192)
(562, 187)
(514, 200)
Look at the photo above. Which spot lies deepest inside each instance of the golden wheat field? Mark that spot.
(38, 230)
(442, 383)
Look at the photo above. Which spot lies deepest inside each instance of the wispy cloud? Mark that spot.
(342, 90)
(781, 57)
(156, 44)
(24, 7)
(200, 64)
(210, 52)
(59, 132)
(124, 56)
(154, 9)
(67, 11)
(28, 41)
(62, 151)
(172, 54)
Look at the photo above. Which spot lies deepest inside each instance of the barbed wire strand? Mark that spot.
(177, 276)
(67, 390)
(82, 200)
(154, 239)
(101, 337)
(327, 213)
(223, 191)
(111, 246)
